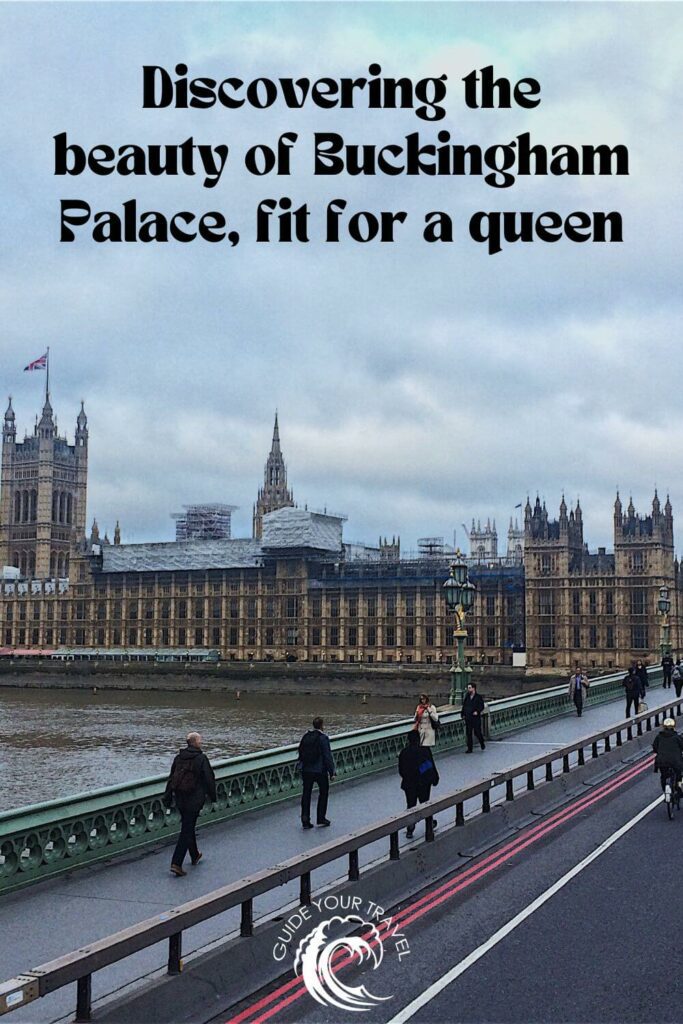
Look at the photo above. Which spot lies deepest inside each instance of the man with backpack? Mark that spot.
(190, 782)
(317, 768)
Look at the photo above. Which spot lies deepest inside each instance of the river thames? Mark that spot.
(60, 742)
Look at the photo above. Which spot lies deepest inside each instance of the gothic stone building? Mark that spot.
(294, 590)
(599, 609)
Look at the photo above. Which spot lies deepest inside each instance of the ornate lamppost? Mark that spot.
(664, 607)
(459, 594)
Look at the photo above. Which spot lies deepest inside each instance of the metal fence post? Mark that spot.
(84, 999)
(393, 846)
(247, 920)
(305, 892)
(175, 952)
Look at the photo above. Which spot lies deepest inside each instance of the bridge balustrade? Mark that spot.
(47, 839)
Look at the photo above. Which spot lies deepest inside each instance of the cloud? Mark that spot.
(417, 385)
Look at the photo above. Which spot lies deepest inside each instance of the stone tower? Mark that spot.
(644, 561)
(515, 549)
(43, 494)
(274, 493)
(483, 543)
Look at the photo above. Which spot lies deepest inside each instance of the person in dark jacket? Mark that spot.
(632, 686)
(190, 782)
(668, 748)
(418, 774)
(641, 672)
(472, 710)
(667, 669)
(677, 677)
(317, 768)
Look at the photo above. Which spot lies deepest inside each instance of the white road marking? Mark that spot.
(426, 997)
(526, 743)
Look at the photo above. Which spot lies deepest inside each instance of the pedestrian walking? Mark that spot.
(641, 672)
(677, 677)
(632, 686)
(317, 768)
(667, 670)
(418, 774)
(190, 781)
(578, 689)
(472, 710)
(426, 721)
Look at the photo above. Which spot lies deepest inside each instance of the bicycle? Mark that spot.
(672, 791)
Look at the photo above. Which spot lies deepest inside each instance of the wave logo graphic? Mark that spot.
(314, 963)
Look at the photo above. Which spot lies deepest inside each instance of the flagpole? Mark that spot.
(47, 375)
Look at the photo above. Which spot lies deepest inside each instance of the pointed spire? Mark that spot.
(46, 425)
(631, 509)
(617, 505)
(667, 508)
(275, 447)
(95, 532)
(117, 533)
(656, 507)
(9, 432)
(82, 428)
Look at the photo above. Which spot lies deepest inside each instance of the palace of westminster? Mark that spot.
(295, 590)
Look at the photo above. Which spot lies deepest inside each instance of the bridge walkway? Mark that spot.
(55, 916)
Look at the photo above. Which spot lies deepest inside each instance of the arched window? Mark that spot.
(34, 505)
(66, 565)
(16, 561)
(61, 506)
(24, 563)
(32, 563)
(69, 509)
(17, 506)
(53, 563)
(54, 506)
(24, 506)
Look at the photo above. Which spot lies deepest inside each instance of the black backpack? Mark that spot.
(309, 747)
(185, 776)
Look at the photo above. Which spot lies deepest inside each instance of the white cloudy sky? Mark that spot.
(417, 385)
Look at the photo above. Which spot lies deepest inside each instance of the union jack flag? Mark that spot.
(37, 364)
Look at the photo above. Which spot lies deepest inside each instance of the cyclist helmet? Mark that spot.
(669, 723)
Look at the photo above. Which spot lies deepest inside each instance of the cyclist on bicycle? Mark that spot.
(668, 748)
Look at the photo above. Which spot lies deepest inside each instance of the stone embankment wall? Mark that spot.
(293, 678)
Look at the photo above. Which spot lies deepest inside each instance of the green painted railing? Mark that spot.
(47, 839)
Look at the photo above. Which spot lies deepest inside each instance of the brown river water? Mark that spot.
(60, 742)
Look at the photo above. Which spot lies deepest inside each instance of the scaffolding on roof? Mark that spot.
(433, 547)
(204, 522)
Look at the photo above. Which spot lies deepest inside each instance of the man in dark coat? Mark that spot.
(667, 669)
(472, 710)
(632, 686)
(190, 782)
(641, 672)
(668, 748)
(418, 774)
(317, 768)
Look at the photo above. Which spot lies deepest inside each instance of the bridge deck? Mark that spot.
(53, 917)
